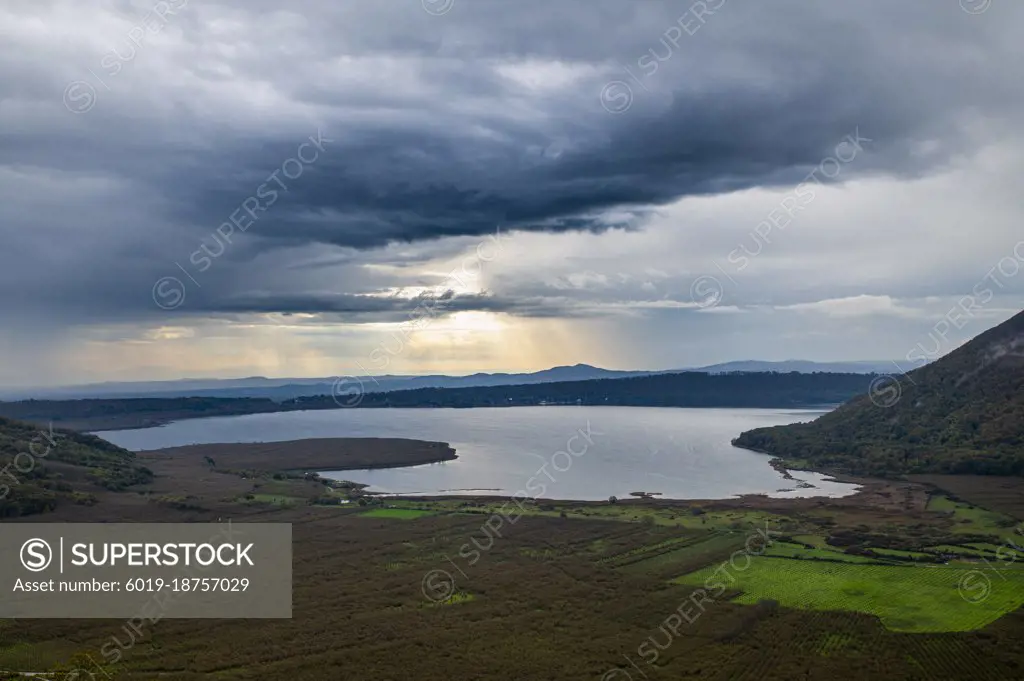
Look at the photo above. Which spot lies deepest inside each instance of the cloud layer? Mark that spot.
(223, 165)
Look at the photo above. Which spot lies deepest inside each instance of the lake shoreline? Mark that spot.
(681, 453)
(56, 413)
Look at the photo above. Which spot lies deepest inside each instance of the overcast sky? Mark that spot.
(323, 187)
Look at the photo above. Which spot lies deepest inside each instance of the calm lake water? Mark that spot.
(586, 453)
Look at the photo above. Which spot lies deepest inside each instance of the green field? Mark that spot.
(911, 599)
(900, 552)
(958, 550)
(969, 519)
(738, 520)
(993, 548)
(814, 540)
(397, 513)
(781, 549)
(678, 555)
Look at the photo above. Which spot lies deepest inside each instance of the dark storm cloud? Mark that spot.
(816, 76)
(446, 126)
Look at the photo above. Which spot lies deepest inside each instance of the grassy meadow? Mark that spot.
(904, 598)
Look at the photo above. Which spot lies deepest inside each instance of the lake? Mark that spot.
(558, 452)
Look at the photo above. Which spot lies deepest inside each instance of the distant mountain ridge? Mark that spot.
(963, 413)
(803, 366)
(280, 389)
(765, 389)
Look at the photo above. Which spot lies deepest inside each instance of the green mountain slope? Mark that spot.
(961, 414)
(41, 467)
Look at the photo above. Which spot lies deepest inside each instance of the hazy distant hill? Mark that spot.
(804, 367)
(280, 389)
(681, 389)
(963, 413)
